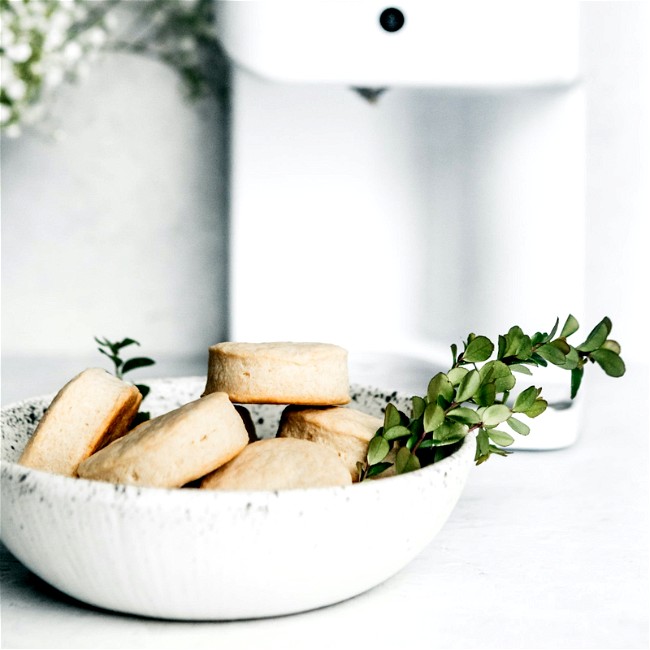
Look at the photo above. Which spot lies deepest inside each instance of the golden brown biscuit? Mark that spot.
(345, 430)
(279, 373)
(279, 464)
(90, 411)
(173, 449)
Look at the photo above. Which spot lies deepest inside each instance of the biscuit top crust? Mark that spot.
(174, 448)
(338, 419)
(280, 463)
(287, 351)
(91, 410)
(279, 373)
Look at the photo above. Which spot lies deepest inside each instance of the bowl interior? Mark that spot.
(19, 420)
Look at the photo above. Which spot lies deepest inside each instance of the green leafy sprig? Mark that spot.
(469, 397)
(121, 366)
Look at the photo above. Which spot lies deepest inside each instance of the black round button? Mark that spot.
(391, 19)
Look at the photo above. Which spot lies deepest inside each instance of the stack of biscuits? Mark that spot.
(211, 442)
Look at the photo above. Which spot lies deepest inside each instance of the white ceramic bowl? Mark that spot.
(215, 555)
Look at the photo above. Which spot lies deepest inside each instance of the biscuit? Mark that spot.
(345, 430)
(279, 464)
(90, 411)
(279, 373)
(174, 448)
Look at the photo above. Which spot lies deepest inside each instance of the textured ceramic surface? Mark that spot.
(211, 555)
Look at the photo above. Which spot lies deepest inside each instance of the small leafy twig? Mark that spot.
(121, 367)
(471, 398)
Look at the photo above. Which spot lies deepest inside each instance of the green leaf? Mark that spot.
(124, 343)
(537, 338)
(464, 415)
(499, 374)
(496, 414)
(455, 375)
(553, 330)
(416, 426)
(115, 359)
(468, 386)
(518, 426)
(418, 407)
(517, 367)
(434, 416)
(525, 400)
(405, 461)
(413, 438)
(609, 361)
(513, 341)
(454, 354)
(397, 431)
(572, 359)
(137, 362)
(479, 349)
(501, 351)
(391, 417)
(551, 353)
(375, 470)
(597, 336)
(540, 361)
(525, 348)
(377, 450)
(538, 407)
(440, 386)
(486, 394)
(561, 345)
(144, 390)
(498, 451)
(576, 380)
(571, 326)
(449, 433)
(609, 344)
(500, 437)
(482, 446)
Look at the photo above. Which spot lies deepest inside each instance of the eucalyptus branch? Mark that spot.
(471, 397)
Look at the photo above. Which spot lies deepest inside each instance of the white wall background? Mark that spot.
(119, 229)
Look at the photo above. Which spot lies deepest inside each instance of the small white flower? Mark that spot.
(80, 13)
(54, 38)
(111, 21)
(96, 36)
(16, 89)
(19, 52)
(7, 37)
(7, 70)
(5, 113)
(72, 52)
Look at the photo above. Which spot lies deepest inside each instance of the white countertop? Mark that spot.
(544, 550)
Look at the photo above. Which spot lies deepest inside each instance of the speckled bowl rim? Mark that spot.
(112, 492)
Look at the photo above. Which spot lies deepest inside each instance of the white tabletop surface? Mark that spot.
(544, 550)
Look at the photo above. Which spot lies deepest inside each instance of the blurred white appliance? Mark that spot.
(451, 202)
